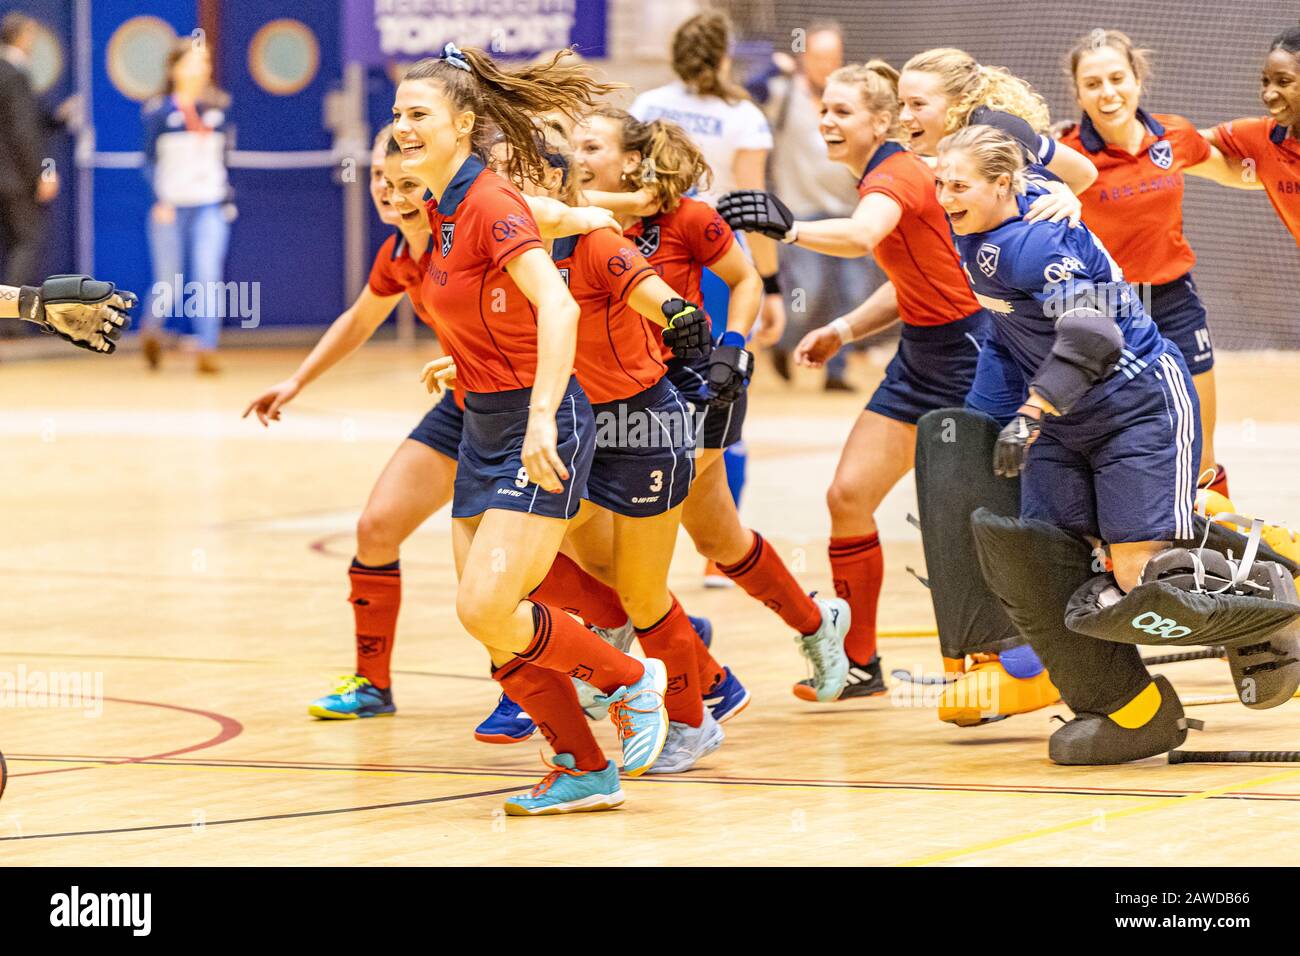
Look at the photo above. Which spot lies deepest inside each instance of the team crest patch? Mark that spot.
(448, 234)
(564, 274)
(1162, 153)
(986, 257)
(648, 242)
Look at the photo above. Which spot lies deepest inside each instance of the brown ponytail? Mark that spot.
(671, 163)
(699, 47)
(505, 101)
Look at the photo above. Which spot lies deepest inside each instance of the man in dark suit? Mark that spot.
(27, 180)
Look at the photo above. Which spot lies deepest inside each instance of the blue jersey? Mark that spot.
(1028, 274)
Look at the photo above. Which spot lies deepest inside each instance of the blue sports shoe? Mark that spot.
(507, 724)
(640, 717)
(727, 698)
(568, 790)
(354, 697)
(703, 627)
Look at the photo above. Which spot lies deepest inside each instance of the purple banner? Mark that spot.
(377, 32)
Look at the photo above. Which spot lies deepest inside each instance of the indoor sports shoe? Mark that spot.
(864, 680)
(354, 697)
(687, 744)
(507, 724)
(640, 717)
(987, 692)
(824, 649)
(568, 790)
(703, 627)
(619, 637)
(727, 697)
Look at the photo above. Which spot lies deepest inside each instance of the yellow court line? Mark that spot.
(1161, 804)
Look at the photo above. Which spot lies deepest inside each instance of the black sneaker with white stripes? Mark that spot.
(865, 680)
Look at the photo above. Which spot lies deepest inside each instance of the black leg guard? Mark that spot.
(1152, 723)
(1034, 569)
(954, 476)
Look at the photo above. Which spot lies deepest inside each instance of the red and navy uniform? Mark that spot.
(394, 271)
(480, 224)
(943, 325)
(1277, 162)
(680, 245)
(1136, 209)
(645, 433)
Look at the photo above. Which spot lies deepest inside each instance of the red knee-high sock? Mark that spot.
(549, 698)
(376, 597)
(1220, 481)
(674, 641)
(709, 670)
(569, 587)
(764, 577)
(562, 644)
(858, 568)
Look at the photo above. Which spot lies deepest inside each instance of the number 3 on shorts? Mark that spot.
(656, 480)
(521, 479)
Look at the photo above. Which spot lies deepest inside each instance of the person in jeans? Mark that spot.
(817, 288)
(189, 225)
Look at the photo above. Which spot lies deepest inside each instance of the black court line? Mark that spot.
(703, 781)
(276, 816)
(28, 655)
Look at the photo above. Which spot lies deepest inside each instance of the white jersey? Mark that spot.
(717, 127)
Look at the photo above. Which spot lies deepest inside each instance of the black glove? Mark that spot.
(1013, 445)
(86, 312)
(729, 370)
(689, 332)
(754, 210)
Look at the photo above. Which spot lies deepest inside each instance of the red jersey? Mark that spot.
(680, 245)
(1136, 205)
(1277, 162)
(487, 324)
(394, 272)
(918, 255)
(618, 353)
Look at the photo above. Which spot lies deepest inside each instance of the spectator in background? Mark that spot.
(27, 180)
(817, 288)
(189, 225)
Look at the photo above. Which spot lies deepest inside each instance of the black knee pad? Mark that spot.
(954, 476)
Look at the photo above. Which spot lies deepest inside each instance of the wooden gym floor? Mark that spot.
(190, 567)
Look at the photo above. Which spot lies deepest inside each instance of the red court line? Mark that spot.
(935, 785)
(229, 728)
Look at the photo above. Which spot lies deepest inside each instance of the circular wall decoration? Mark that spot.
(283, 57)
(47, 59)
(137, 56)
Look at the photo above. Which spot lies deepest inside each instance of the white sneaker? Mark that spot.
(685, 745)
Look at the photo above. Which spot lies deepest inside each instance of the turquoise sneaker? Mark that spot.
(824, 649)
(568, 790)
(354, 697)
(620, 637)
(640, 717)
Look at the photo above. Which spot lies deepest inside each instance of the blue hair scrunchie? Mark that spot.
(451, 53)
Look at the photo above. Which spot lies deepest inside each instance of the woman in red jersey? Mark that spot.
(644, 461)
(616, 152)
(1136, 205)
(417, 481)
(898, 221)
(1271, 144)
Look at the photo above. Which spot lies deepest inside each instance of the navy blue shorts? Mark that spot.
(441, 427)
(715, 427)
(934, 368)
(1180, 316)
(645, 453)
(491, 474)
(1124, 468)
(999, 388)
